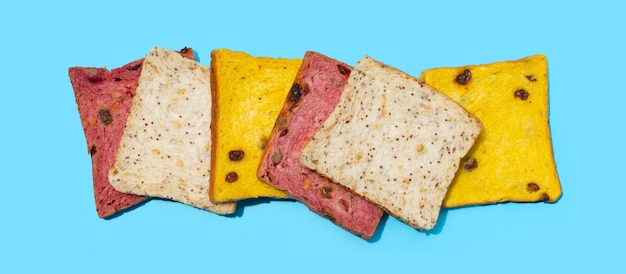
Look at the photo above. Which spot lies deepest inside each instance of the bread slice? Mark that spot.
(512, 159)
(103, 98)
(165, 147)
(312, 97)
(248, 93)
(393, 140)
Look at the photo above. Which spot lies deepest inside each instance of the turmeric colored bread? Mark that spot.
(512, 160)
(248, 93)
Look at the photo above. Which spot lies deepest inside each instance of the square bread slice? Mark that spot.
(512, 160)
(165, 147)
(312, 97)
(393, 140)
(248, 93)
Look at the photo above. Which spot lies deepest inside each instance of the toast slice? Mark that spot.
(103, 98)
(312, 97)
(512, 160)
(165, 147)
(393, 140)
(248, 93)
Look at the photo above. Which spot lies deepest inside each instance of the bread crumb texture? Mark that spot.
(394, 141)
(248, 95)
(512, 159)
(163, 150)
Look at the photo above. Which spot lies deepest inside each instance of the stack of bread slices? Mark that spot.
(350, 142)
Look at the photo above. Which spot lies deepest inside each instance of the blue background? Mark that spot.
(47, 214)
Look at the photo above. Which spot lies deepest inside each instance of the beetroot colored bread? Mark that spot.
(104, 98)
(314, 94)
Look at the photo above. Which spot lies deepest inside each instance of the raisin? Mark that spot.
(135, 67)
(531, 78)
(532, 187)
(236, 155)
(105, 116)
(94, 79)
(117, 79)
(521, 94)
(263, 142)
(277, 157)
(231, 177)
(283, 132)
(93, 150)
(326, 192)
(295, 93)
(470, 164)
(464, 77)
(344, 205)
(343, 70)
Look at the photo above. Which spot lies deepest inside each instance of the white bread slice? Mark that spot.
(393, 140)
(165, 148)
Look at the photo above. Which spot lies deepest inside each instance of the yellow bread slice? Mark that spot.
(248, 94)
(512, 160)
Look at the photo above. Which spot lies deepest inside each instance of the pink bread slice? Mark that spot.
(104, 98)
(314, 94)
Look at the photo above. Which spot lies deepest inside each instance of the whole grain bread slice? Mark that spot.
(393, 140)
(165, 147)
